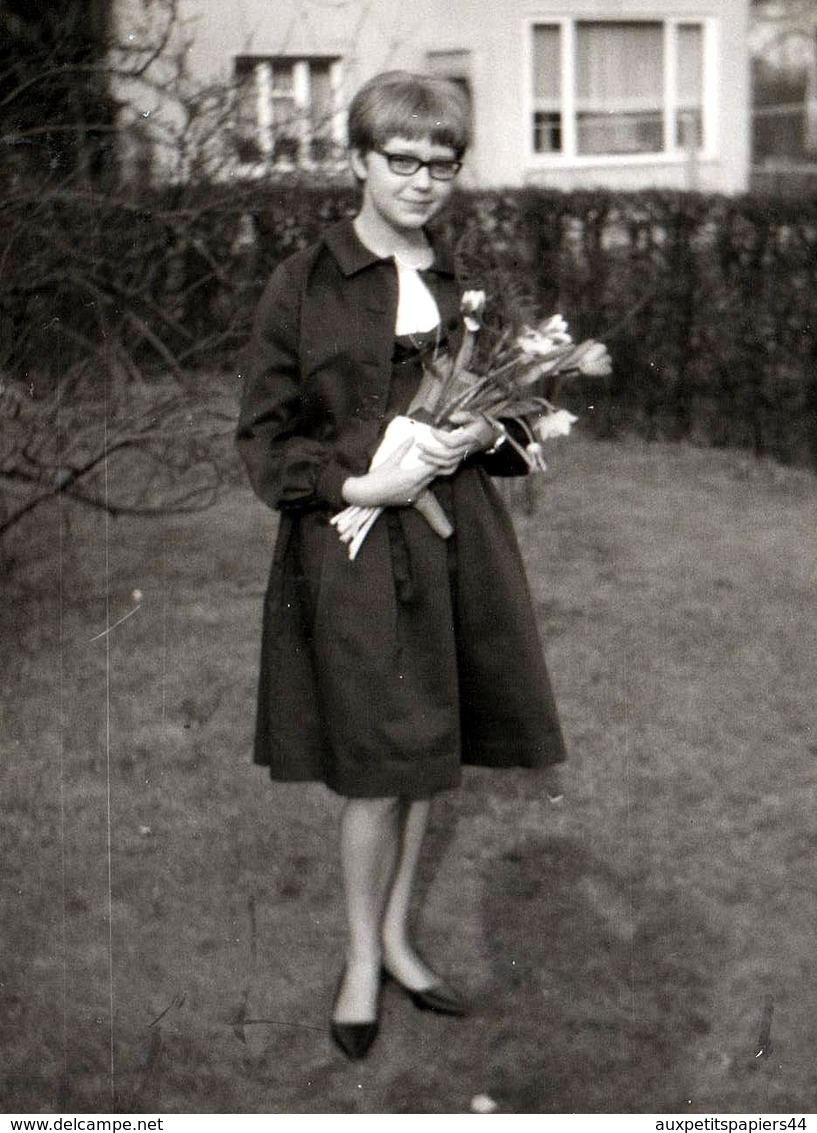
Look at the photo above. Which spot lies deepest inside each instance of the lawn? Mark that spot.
(172, 928)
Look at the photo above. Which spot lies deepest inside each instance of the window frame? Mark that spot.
(673, 152)
(265, 89)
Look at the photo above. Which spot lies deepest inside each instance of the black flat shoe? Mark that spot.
(439, 997)
(354, 1039)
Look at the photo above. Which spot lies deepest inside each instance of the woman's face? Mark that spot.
(404, 202)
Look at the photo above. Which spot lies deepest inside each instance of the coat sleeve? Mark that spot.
(506, 461)
(288, 465)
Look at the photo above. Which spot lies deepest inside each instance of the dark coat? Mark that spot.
(381, 675)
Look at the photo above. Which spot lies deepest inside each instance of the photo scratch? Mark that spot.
(124, 618)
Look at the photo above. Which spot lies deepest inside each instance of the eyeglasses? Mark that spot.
(406, 165)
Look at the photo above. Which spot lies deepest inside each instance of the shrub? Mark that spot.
(706, 303)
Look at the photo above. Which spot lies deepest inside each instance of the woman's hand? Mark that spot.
(389, 485)
(445, 450)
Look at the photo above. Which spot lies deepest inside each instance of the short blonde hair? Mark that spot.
(406, 105)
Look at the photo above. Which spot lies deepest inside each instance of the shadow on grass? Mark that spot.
(600, 985)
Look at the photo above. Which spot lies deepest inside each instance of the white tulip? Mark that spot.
(555, 424)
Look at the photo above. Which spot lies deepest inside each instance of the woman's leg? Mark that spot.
(369, 846)
(399, 957)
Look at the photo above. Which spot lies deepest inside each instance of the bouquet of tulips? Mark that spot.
(504, 387)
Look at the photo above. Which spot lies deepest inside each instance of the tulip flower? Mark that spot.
(594, 361)
(535, 455)
(542, 340)
(472, 306)
(557, 423)
(504, 384)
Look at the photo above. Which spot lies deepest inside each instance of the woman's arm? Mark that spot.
(446, 450)
(496, 456)
(390, 485)
(287, 467)
(505, 459)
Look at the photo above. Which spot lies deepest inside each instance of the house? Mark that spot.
(565, 93)
(783, 47)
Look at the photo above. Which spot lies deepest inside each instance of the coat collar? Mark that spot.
(353, 256)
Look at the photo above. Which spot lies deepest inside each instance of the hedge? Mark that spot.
(707, 303)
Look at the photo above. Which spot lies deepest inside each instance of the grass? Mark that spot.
(172, 923)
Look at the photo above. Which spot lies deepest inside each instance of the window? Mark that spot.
(287, 111)
(618, 87)
(690, 87)
(547, 89)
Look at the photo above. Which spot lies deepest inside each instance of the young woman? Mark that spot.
(382, 675)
